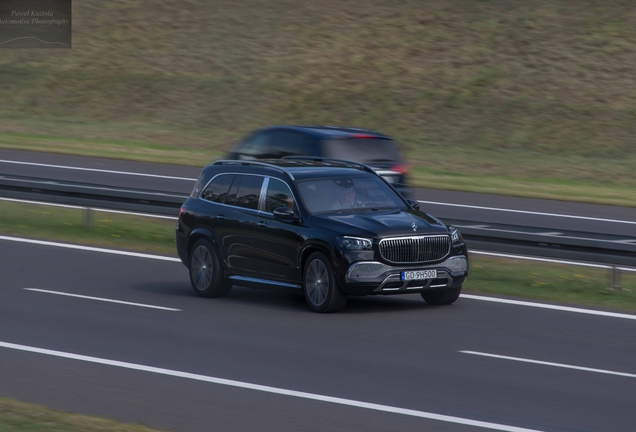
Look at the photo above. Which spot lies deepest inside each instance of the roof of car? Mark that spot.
(303, 168)
(324, 131)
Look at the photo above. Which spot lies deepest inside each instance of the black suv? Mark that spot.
(326, 228)
(359, 145)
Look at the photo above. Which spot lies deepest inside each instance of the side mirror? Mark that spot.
(284, 214)
(414, 203)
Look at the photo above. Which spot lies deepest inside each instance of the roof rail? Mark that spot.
(254, 163)
(348, 164)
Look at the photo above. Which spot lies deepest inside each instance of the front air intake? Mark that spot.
(420, 249)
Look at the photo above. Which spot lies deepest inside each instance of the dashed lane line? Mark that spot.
(101, 299)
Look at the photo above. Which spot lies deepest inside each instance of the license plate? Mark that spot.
(419, 274)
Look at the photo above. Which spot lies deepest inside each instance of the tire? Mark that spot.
(206, 273)
(319, 285)
(444, 297)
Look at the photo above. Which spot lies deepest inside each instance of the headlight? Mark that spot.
(354, 243)
(456, 237)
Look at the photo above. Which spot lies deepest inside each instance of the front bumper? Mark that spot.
(372, 277)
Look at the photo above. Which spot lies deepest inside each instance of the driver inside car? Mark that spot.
(346, 195)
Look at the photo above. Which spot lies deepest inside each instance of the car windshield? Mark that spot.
(348, 194)
(364, 150)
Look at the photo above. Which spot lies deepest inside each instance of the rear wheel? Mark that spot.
(445, 297)
(319, 285)
(206, 273)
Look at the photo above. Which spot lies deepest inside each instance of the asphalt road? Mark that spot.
(397, 352)
(487, 208)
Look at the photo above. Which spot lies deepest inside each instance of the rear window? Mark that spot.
(364, 150)
(249, 192)
(217, 189)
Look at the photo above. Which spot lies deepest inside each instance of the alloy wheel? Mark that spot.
(317, 282)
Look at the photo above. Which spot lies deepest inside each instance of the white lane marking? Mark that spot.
(90, 248)
(549, 260)
(102, 299)
(561, 365)
(97, 170)
(268, 389)
(530, 212)
(92, 208)
(549, 306)
(468, 296)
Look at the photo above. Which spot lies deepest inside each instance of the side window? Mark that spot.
(278, 195)
(256, 145)
(217, 190)
(249, 192)
(286, 143)
(231, 195)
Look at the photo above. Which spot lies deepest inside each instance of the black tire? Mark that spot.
(444, 297)
(319, 285)
(206, 272)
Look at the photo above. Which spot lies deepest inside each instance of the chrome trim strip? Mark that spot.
(263, 281)
(261, 198)
(414, 237)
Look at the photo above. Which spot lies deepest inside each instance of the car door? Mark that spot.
(237, 221)
(277, 242)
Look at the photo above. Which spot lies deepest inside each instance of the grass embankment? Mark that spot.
(527, 98)
(19, 417)
(111, 230)
(559, 283)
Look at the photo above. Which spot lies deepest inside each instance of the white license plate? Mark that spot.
(419, 274)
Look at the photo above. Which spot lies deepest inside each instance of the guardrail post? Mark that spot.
(88, 217)
(615, 278)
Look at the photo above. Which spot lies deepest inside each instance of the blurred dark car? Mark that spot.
(374, 149)
(326, 228)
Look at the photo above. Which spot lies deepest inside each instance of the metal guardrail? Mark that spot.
(90, 196)
(520, 240)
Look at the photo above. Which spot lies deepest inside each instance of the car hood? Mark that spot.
(383, 223)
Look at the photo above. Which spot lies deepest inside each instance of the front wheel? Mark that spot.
(319, 285)
(206, 273)
(445, 297)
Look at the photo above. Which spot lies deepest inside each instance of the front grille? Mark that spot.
(415, 249)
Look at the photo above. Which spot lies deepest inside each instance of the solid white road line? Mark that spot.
(561, 365)
(530, 212)
(268, 389)
(96, 170)
(102, 299)
(91, 249)
(549, 306)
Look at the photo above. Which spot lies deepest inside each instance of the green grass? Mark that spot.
(550, 282)
(527, 98)
(107, 229)
(18, 416)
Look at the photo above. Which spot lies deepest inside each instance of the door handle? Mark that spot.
(221, 218)
(262, 225)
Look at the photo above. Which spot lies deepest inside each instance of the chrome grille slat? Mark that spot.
(415, 249)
